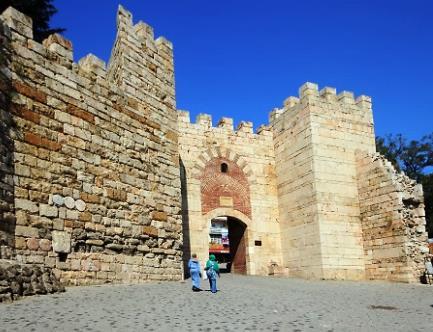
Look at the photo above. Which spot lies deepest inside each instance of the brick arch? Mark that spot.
(224, 189)
(218, 152)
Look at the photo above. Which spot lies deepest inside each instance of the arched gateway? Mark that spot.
(229, 205)
(228, 239)
(224, 185)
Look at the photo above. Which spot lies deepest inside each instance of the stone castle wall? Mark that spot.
(251, 176)
(102, 179)
(95, 157)
(393, 221)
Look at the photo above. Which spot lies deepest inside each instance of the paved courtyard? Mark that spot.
(243, 304)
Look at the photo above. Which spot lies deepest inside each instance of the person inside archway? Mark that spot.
(212, 270)
(194, 271)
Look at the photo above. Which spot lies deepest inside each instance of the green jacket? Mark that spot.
(212, 261)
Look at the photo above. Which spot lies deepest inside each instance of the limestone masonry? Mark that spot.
(102, 179)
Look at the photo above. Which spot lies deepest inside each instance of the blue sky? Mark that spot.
(243, 58)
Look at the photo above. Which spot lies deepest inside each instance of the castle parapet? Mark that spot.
(143, 31)
(291, 102)
(92, 64)
(363, 102)
(204, 120)
(310, 92)
(275, 114)
(18, 22)
(58, 44)
(328, 93)
(245, 127)
(346, 97)
(226, 123)
(264, 130)
(183, 117)
(225, 126)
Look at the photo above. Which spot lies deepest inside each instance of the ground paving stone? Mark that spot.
(244, 303)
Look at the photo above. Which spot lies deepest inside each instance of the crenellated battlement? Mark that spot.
(93, 65)
(141, 34)
(310, 93)
(204, 122)
(130, 38)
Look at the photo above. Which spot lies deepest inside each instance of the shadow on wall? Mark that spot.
(7, 213)
(185, 219)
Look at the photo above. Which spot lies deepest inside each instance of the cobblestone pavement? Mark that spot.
(243, 304)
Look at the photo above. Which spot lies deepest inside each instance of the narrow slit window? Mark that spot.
(224, 168)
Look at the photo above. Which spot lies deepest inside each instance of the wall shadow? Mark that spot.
(185, 219)
(7, 127)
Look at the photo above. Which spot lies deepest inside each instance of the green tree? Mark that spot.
(415, 159)
(40, 11)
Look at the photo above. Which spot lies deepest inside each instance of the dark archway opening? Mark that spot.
(228, 244)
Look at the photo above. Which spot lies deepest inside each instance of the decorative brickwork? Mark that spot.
(224, 189)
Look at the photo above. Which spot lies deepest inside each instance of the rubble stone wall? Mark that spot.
(393, 221)
(97, 188)
(18, 280)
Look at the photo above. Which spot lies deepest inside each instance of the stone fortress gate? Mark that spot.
(103, 179)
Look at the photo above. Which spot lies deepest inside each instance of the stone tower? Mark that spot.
(89, 176)
(315, 139)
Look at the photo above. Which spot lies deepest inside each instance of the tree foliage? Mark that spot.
(415, 159)
(39, 10)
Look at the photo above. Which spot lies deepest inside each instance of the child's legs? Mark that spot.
(213, 286)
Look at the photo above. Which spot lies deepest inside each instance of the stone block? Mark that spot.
(150, 230)
(48, 211)
(26, 205)
(159, 215)
(26, 231)
(18, 22)
(72, 214)
(61, 242)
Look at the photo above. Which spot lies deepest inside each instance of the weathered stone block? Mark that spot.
(61, 242)
(48, 211)
(159, 215)
(26, 205)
